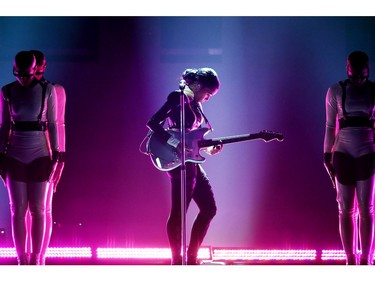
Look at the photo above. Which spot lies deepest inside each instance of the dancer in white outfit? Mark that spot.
(41, 65)
(349, 156)
(29, 147)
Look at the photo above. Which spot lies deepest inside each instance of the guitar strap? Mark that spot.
(204, 117)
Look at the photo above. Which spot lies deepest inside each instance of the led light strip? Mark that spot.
(243, 254)
(67, 252)
(144, 253)
(205, 253)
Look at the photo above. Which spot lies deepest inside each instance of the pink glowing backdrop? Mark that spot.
(118, 70)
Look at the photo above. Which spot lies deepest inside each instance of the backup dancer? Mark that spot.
(349, 156)
(29, 152)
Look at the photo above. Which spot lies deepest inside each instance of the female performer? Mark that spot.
(201, 85)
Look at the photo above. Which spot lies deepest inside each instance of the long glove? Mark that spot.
(57, 169)
(329, 167)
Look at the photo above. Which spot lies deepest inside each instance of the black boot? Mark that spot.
(192, 260)
(351, 259)
(365, 260)
(176, 260)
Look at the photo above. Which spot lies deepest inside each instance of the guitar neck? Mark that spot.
(225, 140)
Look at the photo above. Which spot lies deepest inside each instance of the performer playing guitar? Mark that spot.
(201, 85)
(164, 148)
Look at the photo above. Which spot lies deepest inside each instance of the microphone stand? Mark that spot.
(183, 173)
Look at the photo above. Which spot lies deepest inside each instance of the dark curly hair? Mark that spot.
(206, 76)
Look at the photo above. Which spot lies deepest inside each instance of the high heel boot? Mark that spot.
(42, 260)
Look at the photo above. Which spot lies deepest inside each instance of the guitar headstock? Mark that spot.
(269, 135)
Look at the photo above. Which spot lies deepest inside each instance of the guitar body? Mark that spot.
(165, 157)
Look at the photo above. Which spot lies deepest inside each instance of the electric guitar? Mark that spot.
(165, 157)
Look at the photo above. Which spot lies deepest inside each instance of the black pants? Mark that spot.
(199, 189)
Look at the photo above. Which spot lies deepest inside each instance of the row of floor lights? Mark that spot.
(53, 252)
(262, 255)
(205, 253)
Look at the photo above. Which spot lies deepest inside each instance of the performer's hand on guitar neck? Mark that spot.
(212, 150)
